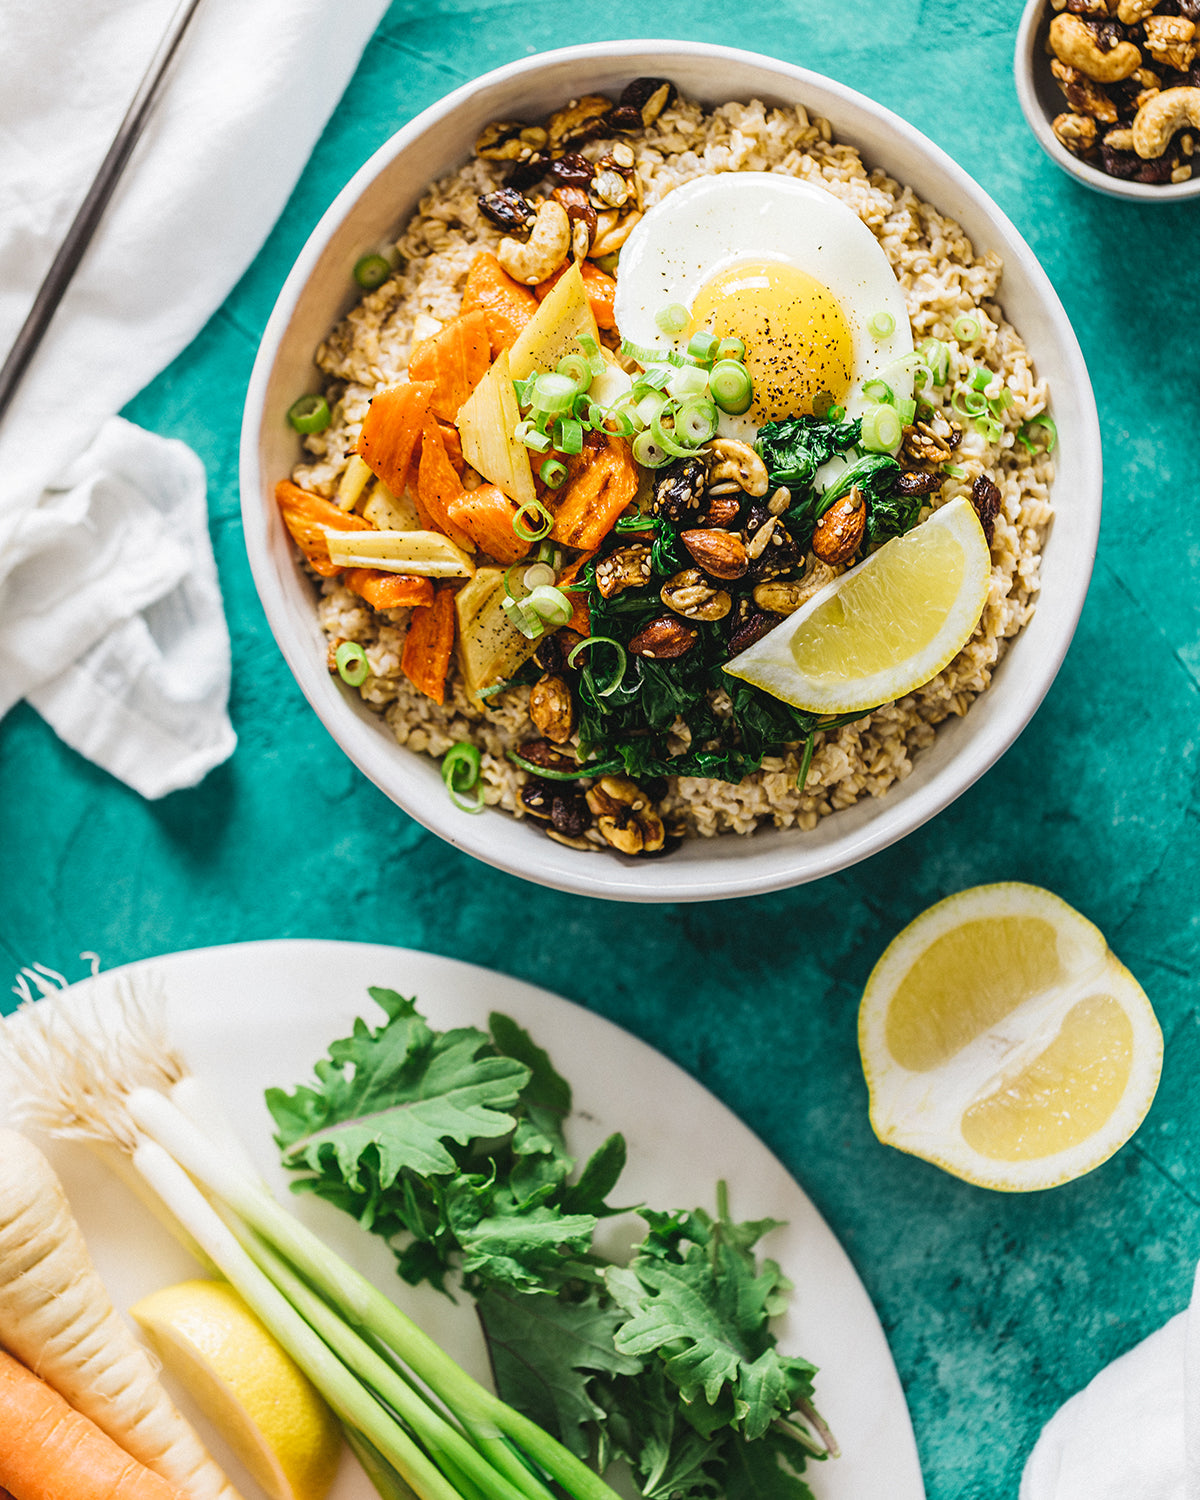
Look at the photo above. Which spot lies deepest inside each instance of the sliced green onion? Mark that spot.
(648, 453)
(589, 345)
(672, 319)
(509, 591)
(460, 772)
(351, 662)
(703, 346)
(835, 414)
(657, 378)
(577, 369)
(965, 329)
(523, 620)
(983, 378)
(609, 419)
(552, 472)
(990, 428)
(568, 435)
(1000, 404)
(635, 523)
(688, 382)
(526, 433)
(550, 604)
(731, 387)
(372, 271)
(643, 355)
(882, 325)
(881, 430)
(936, 355)
(622, 662)
(537, 575)
(923, 376)
(650, 405)
(668, 440)
(696, 421)
(550, 554)
(969, 403)
(310, 414)
(879, 390)
(731, 348)
(907, 411)
(544, 523)
(524, 389)
(1028, 430)
(954, 471)
(553, 393)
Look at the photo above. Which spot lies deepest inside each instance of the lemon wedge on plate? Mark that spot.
(1003, 1040)
(251, 1390)
(883, 628)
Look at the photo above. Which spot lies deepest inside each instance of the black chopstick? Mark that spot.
(78, 237)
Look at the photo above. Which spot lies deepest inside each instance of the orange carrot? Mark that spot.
(455, 360)
(50, 1452)
(304, 514)
(425, 659)
(600, 287)
(600, 484)
(581, 619)
(389, 590)
(438, 483)
(505, 303)
(486, 515)
(453, 446)
(391, 430)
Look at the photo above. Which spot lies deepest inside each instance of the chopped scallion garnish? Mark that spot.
(881, 430)
(879, 390)
(351, 662)
(696, 421)
(460, 771)
(622, 662)
(372, 271)
(965, 329)
(1029, 430)
(544, 522)
(731, 348)
(731, 386)
(568, 435)
(881, 325)
(553, 393)
(576, 368)
(310, 414)
(552, 472)
(673, 319)
(648, 453)
(703, 346)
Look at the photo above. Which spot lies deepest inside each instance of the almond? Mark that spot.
(719, 553)
(840, 530)
(664, 638)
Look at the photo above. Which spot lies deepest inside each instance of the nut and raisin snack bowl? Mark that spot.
(1043, 102)
(319, 291)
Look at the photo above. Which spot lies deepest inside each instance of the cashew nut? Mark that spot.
(1158, 120)
(544, 251)
(1074, 42)
(612, 231)
(737, 463)
(1130, 12)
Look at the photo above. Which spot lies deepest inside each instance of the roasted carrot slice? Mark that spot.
(392, 429)
(389, 590)
(438, 484)
(453, 446)
(425, 659)
(455, 360)
(599, 486)
(506, 304)
(600, 287)
(486, 515)
(304, 514)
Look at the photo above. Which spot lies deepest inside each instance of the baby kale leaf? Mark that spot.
(794, 449)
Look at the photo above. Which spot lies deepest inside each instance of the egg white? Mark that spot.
(703, 227)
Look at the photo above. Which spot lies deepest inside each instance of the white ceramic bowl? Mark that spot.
(319, 290)
(1042, 100)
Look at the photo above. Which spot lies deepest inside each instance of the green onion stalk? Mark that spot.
(443, 1433)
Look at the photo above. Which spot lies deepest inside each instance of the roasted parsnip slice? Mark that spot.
(554, 329)
(490, 647)
(423, 552)
(486, 423)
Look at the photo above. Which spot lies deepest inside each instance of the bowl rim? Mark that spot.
(1039, 124)
(770, 866)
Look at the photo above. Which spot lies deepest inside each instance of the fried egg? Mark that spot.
(787, 268)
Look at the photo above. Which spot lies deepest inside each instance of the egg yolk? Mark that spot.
(797, 339)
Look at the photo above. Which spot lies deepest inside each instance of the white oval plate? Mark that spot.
(252, 1015)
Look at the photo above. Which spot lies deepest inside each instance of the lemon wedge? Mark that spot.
(249, 1388)
(1003, 1040)
(883, 628)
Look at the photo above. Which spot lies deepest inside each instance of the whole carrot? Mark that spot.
(55, 1316)
(50, 1452)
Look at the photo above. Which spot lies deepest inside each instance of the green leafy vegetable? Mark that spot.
(450, 1146)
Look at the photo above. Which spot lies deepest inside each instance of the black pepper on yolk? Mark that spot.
(797, 339)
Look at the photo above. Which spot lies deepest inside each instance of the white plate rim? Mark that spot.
(239, 993)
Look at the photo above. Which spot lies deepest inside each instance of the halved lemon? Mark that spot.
(1004, 1041)
(251, 1390)
(883, 628)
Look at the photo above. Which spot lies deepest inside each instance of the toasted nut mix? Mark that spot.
(720, 553)
(578, 207)
(985, 497)
(785, 596)
(552, 708)
(737, 462)
(1169, 40)
(1076, 44)
(625, 568)
(543, 754)
(690, 596)
(501, 140)
(508, 208)
(841, 529)
(1084, 96)
(1157, 121)
(1076, 132)
(544, 251)
(664, 639)
(649, 96)
(749, 625)
(625, 817)
(612, 230)
(582, 120)
(933, 441)
(722, 510)
(678, 488)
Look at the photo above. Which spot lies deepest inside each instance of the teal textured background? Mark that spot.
(997, 1307)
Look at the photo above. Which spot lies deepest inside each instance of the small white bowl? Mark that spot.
(1042, 100)
(319, 290)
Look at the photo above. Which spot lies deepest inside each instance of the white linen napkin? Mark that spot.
(110, 612)
(1134, 1432)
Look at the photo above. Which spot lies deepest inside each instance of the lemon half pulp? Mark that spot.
(1003, 1040)
(249, 1388)
(885, 627)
